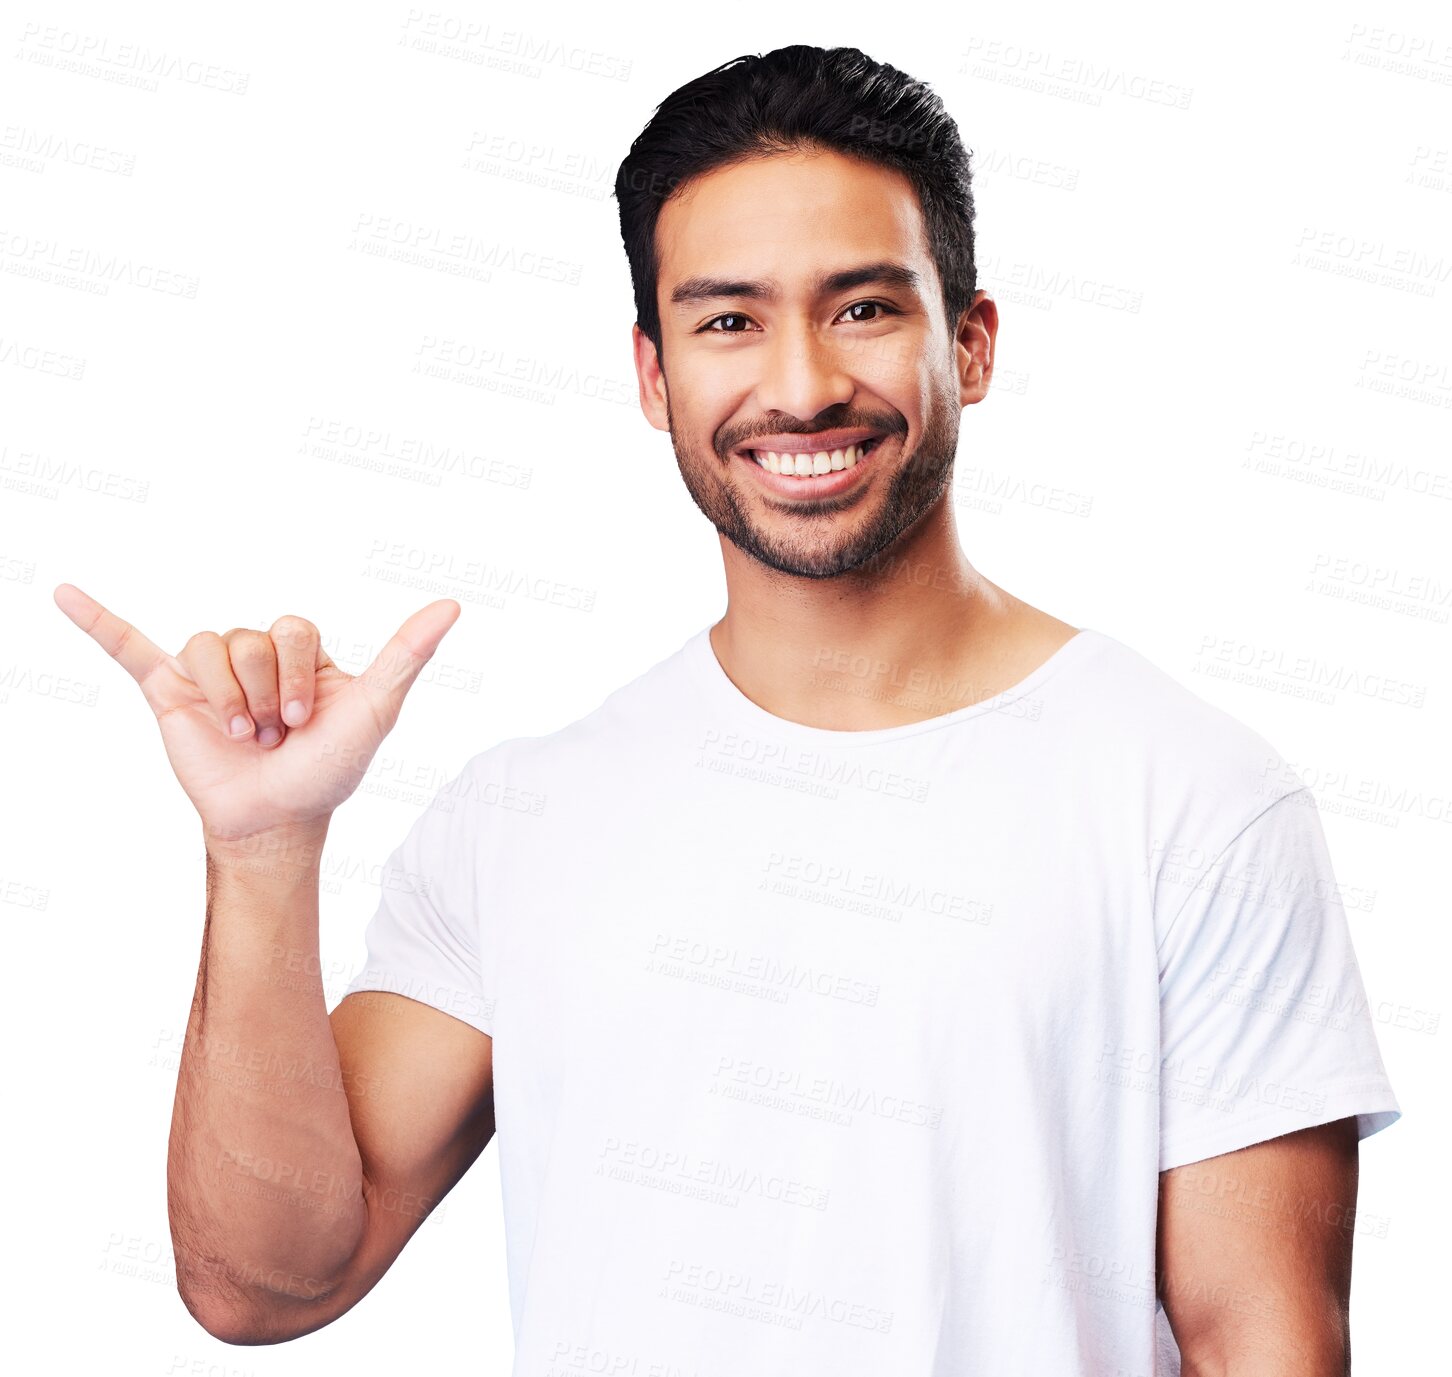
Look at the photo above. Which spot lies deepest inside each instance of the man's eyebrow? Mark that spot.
(695, 290)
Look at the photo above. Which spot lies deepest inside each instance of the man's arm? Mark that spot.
(306, 1149)
(1254, 1256)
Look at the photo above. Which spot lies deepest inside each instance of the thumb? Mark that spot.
(411, 647)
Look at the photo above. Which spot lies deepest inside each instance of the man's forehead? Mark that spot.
(788, 225)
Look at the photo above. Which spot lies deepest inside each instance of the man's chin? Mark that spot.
(801, 558)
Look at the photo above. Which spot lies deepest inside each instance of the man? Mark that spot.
(895, 979)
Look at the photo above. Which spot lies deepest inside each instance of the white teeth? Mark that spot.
(808, 465)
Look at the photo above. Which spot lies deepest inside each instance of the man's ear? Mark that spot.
(651, 378)
(973, 348)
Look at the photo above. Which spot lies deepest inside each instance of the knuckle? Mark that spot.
(203, 640)
(251, 647)
(293, 628)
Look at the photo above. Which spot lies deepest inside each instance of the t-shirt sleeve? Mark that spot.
(424, 939)
(1264, 1022)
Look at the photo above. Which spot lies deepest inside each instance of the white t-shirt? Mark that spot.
(861, 1052)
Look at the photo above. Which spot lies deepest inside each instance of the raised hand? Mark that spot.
(264, 732)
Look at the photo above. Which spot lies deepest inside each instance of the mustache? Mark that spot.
(885, 425)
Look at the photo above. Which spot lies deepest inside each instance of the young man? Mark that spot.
(897, 978)
(865, 964)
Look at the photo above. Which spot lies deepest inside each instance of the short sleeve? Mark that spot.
(1264, 1022)
(423, 940)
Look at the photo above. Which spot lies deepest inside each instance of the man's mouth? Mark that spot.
(809, 465)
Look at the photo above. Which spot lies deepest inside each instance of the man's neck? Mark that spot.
(920, 634)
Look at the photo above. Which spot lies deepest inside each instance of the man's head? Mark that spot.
(800, 234)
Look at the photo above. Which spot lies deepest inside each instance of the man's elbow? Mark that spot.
(249, 1319)
(232, 1324)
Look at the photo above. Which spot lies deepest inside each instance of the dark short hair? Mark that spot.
(801, 97)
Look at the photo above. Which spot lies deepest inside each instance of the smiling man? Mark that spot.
(896, 979)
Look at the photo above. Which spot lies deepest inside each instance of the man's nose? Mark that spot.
(802, 373)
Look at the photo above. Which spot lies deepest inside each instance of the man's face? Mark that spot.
(761, 353)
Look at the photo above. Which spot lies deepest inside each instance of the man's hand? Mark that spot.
(1254, 1256)
(249, 764)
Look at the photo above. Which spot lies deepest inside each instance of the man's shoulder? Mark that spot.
(1120, 701)
(1143, 711)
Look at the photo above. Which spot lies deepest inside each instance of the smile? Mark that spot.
(807, 476)
(803, 465)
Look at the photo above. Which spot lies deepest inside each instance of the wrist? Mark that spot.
(290, 850)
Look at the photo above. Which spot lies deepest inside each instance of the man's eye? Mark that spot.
(876, 305)
(706, 328)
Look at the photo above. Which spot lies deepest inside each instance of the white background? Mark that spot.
(1218, 432)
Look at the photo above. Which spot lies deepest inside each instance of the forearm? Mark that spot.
(264, 1178)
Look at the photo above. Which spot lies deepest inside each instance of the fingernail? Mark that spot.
(268, 735)
(241, 725)
(292, 712)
